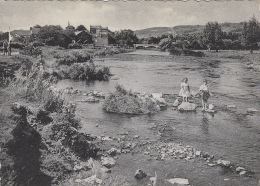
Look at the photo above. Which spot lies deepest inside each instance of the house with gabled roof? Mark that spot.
(83, 37)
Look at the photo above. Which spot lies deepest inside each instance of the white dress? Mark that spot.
(185, 90)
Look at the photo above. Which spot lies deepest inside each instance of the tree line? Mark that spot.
(55, 35)
(214, 38)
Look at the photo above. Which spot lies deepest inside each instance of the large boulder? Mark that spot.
(186, 106)
(108, 162)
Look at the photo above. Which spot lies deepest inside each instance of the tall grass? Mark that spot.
(71, 58)
(84, 72)
(123, 101)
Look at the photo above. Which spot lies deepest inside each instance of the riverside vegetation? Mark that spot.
(40, 142)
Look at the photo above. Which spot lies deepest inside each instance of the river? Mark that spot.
(230, 134)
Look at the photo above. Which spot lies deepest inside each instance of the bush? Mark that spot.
(74, 46)
(69, 59)
(84, 72)
(126, 102)
(17, 45)
(106, 51)
(176, 51)
(31, 51)
(37, 44)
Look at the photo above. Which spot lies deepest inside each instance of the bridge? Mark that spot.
(146, 46)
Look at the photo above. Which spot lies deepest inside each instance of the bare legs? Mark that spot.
(204, 104)
(185, 98)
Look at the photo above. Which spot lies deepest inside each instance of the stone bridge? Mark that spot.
(146, 46)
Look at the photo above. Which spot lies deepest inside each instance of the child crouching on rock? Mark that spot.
(204, 91)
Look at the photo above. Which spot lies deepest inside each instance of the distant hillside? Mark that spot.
(185, 29)
(154, 32)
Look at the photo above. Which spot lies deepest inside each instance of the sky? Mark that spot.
(124, 14)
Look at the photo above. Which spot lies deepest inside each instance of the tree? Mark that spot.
(213, 35)
(81, 28)
(166, 43)
(4, 36)
(49, 31)
(55, 35)
(251, 34)
(126, 37)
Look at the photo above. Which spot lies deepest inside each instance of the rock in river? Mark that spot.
(93, 180)
(186, 106)
(240, 169)
(139, 174)
(108, 162)
(252, 110)
(113, 151)
(179, 181)
(224, 163)
(90, 99)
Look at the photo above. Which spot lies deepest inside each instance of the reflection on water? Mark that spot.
(230, 134)
(205, 125)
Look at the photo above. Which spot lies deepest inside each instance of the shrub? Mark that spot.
(75, 46)
(37, 44)
(31, 50)
(52, 102)
(17, 45)
(69, 59)
(126, 102)
(84, 72)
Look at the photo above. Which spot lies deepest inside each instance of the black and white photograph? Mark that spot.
(130, 93)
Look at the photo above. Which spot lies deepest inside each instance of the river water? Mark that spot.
(231, 134)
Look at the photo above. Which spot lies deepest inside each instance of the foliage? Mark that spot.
(74, 46)
(84, 72)
(4, 36)
(30, 50)
(81, 28)
(70, 59)
(17, 45)
(126, 102)
(55, 35)
(50, 31)
(251, 34)
(166, 43)
(126, 38)
(213, 35)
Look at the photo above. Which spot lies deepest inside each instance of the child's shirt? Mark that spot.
(204, 87)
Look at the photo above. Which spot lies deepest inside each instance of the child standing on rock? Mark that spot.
(204, 90)
(185, 90)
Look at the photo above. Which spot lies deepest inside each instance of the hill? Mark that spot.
(185, 29)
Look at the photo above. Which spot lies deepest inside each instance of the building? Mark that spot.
(83, 37)
(22, 36)
(100, 36)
